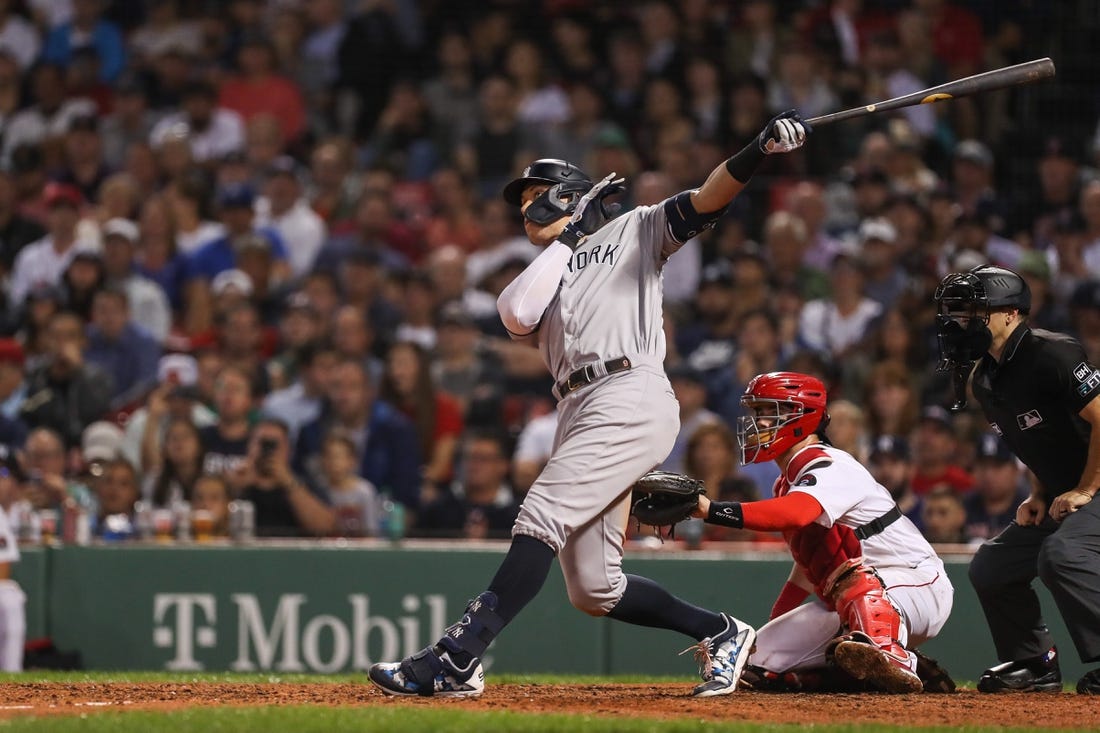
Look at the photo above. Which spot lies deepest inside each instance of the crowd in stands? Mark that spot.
(252, 249)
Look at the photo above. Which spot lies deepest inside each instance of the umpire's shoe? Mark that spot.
(722, 657)
(430, 672)
(1090, 683)
(1037, 674)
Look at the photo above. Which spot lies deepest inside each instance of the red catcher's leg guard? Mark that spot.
(874, 649)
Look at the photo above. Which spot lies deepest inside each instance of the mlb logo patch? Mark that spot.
(1029, 419)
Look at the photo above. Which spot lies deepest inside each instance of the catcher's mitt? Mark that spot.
(662, 499)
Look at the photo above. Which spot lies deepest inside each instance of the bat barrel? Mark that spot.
(1025, 73)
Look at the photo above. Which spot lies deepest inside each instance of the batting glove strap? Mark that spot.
(726, 513)
(745, 163)
(572, 236)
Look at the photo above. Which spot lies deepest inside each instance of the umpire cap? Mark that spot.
(544, 170)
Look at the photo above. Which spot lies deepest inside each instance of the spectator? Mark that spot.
(48, 481)
(377, 231)
(283, 208)
(335, 190)
(533, 449)
(1085, 312)
(49, 116)
(758, 352)
(889, 462)
(87, 27)
(386, 443)
(147, 301)
(18, 37)
(284, 505)
(886, 279)
(66, 394)
(259, 89)
(934, 449)
(83, 278)
(893, 405)
(44, 261)
(447, 269)
(82, 165)
(999, 489)
(212, 131)
(226, 442)
(172, 472)
(13, 389)
(839, 324)
(709, 342)
(300, 403)
(1046, 313)
(41, 304)
(461, 367)
(785, 243)
(117, 489)
(131, 121)
(943, 517)
(848, 428)
(492, 148)
(451, 92)
(210, 493)
(419, 304)
(711, 456)
(175, 397)
(299, 326)
(354, 499)
(189, 216)
(363, 281)
(353, 336)
(16, 230)
(691, 392)
(480, 504)
(407, 384)
(806, 201)
(121, 348)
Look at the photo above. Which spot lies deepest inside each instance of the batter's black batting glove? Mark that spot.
(783, 133)
(592, 211)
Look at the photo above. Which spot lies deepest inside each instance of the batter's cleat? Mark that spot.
(722, 658)
(891, 670)
(429, 673)
(1090, 683)
(1038, 674)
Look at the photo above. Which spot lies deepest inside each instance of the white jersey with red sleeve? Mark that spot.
(850, 496)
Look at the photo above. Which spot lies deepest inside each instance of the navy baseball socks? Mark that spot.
(725, 643)
(452, 667)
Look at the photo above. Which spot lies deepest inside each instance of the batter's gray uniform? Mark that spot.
(611, 431)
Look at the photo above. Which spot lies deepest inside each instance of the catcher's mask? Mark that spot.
(964, 301)
(782, 408)
(559, 200)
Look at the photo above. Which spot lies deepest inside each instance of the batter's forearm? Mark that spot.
(718, 191)
(526, 298)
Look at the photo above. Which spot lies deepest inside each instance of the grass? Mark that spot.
(305, 719)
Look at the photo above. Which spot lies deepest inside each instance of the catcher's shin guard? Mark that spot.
(874, 648)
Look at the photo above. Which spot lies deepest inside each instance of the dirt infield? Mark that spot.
(1065, 710)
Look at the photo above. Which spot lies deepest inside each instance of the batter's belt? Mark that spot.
(590, 373)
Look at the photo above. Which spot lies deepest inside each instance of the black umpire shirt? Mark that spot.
(1032, 399)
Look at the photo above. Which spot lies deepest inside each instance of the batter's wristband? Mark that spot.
(726, 513)
(745, 163)
(571, 236)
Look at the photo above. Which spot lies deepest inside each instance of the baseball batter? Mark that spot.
(876, 578)
(592, 303)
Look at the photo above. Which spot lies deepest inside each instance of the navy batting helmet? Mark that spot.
(548, 171)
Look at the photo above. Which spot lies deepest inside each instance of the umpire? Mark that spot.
(1041, 394)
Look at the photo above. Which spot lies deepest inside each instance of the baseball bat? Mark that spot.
(987, 81)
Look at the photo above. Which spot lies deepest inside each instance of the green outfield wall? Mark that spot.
(329, 608)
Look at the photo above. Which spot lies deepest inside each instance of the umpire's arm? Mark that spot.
(1069, 502)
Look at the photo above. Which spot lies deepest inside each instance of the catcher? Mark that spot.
(881, 590)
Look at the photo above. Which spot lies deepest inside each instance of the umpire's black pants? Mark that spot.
(1066, 557)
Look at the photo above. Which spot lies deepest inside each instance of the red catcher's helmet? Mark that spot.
(781, 409)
